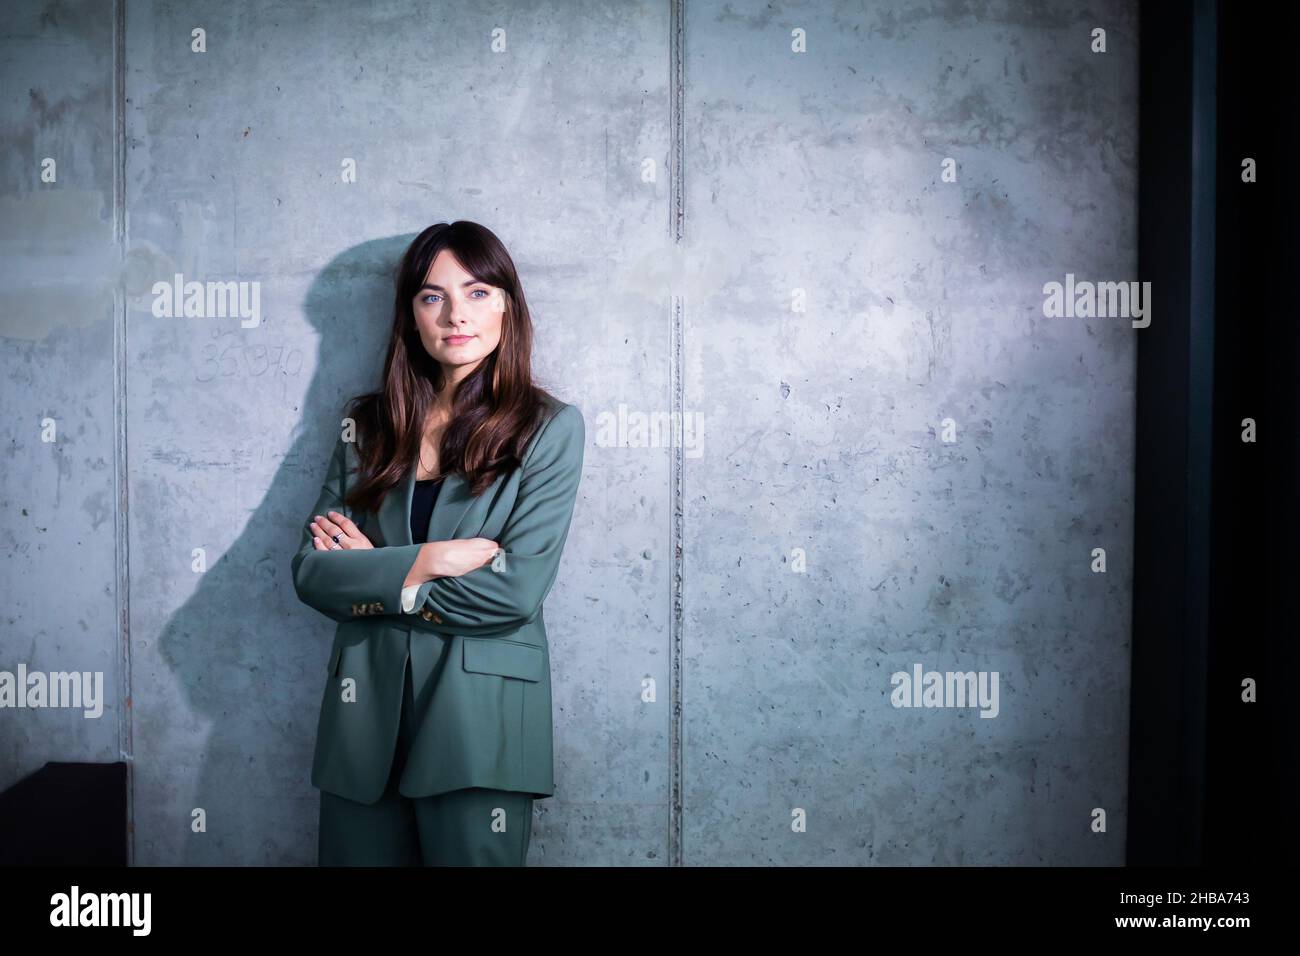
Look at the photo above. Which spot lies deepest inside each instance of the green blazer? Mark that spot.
(477, 647)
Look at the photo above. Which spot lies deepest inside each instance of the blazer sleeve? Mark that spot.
(533, 538)
(346, 583)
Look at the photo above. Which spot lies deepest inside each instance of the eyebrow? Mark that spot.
(438, 288)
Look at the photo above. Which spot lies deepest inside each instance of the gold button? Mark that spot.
(437, 619)
(426, 614)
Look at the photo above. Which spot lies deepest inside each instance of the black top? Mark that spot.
(426, 493)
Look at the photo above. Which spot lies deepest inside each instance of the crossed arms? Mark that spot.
(334, 582)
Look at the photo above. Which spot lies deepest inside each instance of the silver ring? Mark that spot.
(335, 538)
(336, 547)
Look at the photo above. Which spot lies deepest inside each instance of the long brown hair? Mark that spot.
(495, 410)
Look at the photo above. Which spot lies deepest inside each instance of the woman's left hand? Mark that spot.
(323, 530)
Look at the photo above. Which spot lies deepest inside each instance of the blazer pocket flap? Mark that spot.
(486, 655)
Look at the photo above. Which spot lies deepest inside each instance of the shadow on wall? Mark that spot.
(248, 655)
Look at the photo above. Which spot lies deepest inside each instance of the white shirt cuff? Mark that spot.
(408, 598)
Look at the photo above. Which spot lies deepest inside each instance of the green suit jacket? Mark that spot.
(477, 646)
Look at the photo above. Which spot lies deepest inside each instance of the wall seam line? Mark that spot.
(677, 395)
(125, 728)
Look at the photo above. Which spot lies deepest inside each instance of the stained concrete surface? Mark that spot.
(837, 303)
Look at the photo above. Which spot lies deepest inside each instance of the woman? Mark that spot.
(436, 537)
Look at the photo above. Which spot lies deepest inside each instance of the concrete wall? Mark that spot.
(808, 291)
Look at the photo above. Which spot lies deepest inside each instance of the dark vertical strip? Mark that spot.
(1267, 317)
(1253, 748)
(1212, 775)
(1200, 418)
(125, 736)
(677, 389)
(1162, 736)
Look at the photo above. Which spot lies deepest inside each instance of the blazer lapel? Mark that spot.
(395, 511)
(453, 501)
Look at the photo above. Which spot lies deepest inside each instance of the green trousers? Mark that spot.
(459, 828)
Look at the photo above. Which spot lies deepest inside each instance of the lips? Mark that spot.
(457, 339)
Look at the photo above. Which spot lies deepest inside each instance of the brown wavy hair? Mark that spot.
(495, 410)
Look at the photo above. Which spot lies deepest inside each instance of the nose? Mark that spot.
(455, 312)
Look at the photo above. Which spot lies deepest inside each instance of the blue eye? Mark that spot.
(435, 295)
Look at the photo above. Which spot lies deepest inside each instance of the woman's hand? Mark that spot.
(350, 538)
(451, 559)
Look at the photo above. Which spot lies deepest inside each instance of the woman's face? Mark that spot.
(459, 317)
